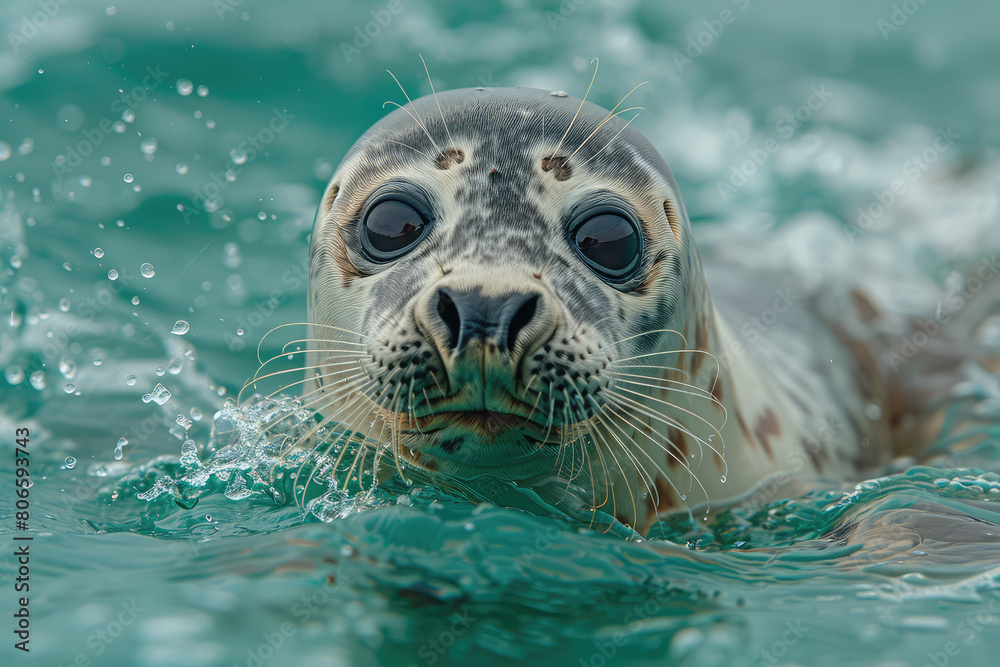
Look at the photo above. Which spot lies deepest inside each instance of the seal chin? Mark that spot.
(467, 443)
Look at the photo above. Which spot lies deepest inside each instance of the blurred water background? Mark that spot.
(160, 166)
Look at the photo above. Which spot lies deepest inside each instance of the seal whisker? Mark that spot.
(605, 146)
(582, 102)
(614, 396)
(670, 369)
(354, 409)
(602, 123)
(680, 460)
(588, 426)
(611, 114)
(345, 435)
(701, 393)
(297, 369)
(416, 118)
(644, 333)
(317, 389)
(353, 384)
(392, 141)
(451, 141)
(643, 474)
(674, 406)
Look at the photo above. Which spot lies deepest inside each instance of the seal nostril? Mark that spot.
(448, 313)
(521, 319)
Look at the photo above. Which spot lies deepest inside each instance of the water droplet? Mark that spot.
(208, 517)
(160, 371)
(147, 270)
(98, 253)
(196, 414)
(68, 388)
(129, 178)
(180, 328)
(14, 374)
(70, 463)
(128, 115)
(239, 332)
(5, 151)
(873, 411)
(184, 87)
(113, 274)
(559, 93)
(237, 488)
(105, 161)
(175, 366)
(118, 126)
(160, 395)
(723, 479)
(210, 124)
(182, 168)
(118, 448)
(238, 157)
(262, 216)
(64, 305)
(130, 380)
(37, 380)
(148, 146)
(67, 368)
(86, 181)
(202, 91)
(135, 301)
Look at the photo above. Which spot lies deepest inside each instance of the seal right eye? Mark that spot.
(391, 228)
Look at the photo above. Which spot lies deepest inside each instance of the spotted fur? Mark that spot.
(612, 397)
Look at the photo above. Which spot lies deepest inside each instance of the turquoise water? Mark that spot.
(135, 135)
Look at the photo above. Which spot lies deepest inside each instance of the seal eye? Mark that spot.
(609, 244)
(391, 227)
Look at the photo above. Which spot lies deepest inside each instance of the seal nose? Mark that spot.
(469, 315)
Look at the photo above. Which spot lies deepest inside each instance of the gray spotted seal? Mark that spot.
(504, 282)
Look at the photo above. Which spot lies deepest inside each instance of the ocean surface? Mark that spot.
(160, 167)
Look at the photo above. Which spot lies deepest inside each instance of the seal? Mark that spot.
(504, 282)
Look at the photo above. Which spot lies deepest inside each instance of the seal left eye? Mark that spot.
(390, 228)
(609, 244)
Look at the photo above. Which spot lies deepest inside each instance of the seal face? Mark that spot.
(503, 282)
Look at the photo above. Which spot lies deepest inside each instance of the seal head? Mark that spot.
(502, 282)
